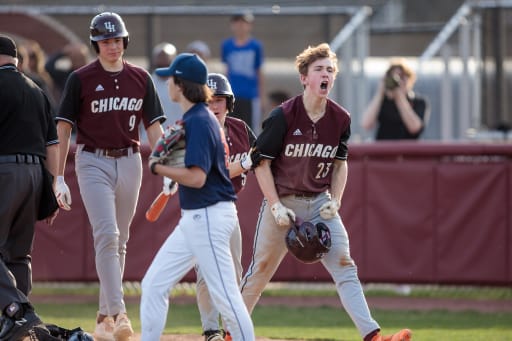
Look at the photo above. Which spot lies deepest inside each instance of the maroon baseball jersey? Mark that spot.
(108, 107)
(240, 139)
(303, 152)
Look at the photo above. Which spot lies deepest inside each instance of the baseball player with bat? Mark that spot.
(240, 138)
(209, 218)
(106, 100)
(304, 146)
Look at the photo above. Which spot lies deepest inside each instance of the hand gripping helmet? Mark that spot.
(221, 87)
(307, 242)
(107, 25)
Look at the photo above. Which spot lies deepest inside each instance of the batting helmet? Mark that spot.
(107, 25)
(307, 242)
(221, 87)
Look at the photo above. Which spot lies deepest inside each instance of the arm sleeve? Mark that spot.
(153, 110)
(70, 102)
(342, 153)
(270, 141)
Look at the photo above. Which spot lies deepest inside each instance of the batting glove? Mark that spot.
(62, 193)
(329, 209)
(170, 187)
(246, 161)
(282, 214)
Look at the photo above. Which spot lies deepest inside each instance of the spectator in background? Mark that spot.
(243, 56)
(32, 60)
(200, 48)
(162, 56)
(395, 109)
(61, 64)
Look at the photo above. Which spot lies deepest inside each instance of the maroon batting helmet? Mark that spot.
(107, 25)
(307, 242)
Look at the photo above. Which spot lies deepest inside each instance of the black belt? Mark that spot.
(305, 195)
(112, 152)
(20, 158)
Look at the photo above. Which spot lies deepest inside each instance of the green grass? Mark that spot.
(321, 323)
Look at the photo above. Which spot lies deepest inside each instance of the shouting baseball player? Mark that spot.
(209, 218)
(240, 138)
(303, 174)
(106, 100)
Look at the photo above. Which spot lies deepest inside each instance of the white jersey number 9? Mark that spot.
(131, 122)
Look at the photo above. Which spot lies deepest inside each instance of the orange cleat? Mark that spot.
(403, 335)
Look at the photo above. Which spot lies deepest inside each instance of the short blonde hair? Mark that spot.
(312, 54)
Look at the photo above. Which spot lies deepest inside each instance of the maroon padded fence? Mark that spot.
(416, 212)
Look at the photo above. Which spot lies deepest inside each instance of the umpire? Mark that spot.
(28, 137)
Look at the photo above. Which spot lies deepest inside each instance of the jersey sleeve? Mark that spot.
(342, 153)
(51, 133)
(153, 110)
(270, 141)
(70, 102)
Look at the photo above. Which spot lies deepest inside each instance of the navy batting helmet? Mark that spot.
(107, 25)
(221, 87)
(307, 242)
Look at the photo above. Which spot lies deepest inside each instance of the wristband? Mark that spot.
(152, 168)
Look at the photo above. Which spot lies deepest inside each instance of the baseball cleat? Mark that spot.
(403, 335)
(104, 330)
(122, 328)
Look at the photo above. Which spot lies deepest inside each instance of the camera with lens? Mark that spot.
(392, 81)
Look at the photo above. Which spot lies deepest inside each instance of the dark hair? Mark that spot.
(194, 92)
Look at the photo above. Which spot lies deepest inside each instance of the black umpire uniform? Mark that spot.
(27, 132)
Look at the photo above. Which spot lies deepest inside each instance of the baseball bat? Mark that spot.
(157, 206)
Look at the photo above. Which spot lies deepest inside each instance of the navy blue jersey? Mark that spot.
(303, 151)
(108, 107)
(207, 149)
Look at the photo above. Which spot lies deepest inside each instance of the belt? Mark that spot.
(20, 158)
(305, 195)
(113, 153)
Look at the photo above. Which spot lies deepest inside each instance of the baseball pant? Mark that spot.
(270, 249)
(202, 237)
(209, 314)
(21, 185)
(110, 190)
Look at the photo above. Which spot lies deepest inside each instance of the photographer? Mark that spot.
(395, 109)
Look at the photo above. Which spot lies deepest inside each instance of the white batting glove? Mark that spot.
(62, 193)
(282, 214)
(246, 161)
(170, 187)
(329, 209)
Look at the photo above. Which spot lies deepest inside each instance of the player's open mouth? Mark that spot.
(323, 85)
